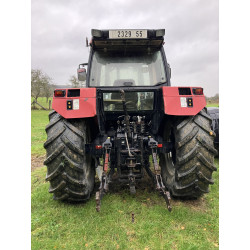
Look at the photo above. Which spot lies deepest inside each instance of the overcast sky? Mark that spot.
(59, 29)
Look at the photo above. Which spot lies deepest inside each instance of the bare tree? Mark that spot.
(75, 82)
(39, 82)
(47, 91)
(213, 99)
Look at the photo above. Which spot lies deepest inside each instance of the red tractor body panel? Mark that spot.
(173, 105)
(87, 104)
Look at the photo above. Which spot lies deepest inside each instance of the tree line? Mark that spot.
(213, 99)
(42, 85)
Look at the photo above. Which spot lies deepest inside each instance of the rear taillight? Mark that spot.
(59, 93)
(198, 91)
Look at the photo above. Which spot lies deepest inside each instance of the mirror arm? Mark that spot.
(82, 64)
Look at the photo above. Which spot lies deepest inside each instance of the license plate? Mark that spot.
(129, 34)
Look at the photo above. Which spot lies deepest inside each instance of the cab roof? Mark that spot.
(127, 38)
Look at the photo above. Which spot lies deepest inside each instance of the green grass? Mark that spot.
(191, 225)
(55, 225)
(39, 120)
(212, 105)
(42, 101)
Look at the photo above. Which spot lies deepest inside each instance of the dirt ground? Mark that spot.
(37, 161)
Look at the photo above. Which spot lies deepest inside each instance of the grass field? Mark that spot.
(55, 225)
(212, 105)
(39, 120)
(42, 101)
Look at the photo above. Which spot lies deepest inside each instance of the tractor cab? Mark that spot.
(127, 58)
(133, 60)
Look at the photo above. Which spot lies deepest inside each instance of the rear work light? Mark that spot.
(198, 91)
(96, 33)
(160, 33)
(59, 93)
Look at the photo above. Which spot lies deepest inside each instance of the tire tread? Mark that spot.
(69, 170)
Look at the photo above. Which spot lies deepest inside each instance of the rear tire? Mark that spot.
(69, 170)
(187, 170)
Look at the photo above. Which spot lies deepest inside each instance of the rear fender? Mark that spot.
(87, 104)
(174, 103)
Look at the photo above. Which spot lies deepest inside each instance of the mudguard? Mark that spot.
(174, 103)
(87, 104)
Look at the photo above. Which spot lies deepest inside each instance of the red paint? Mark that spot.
(106, 163)
(87, 104)
(172, 103)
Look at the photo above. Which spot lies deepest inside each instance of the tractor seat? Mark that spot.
(131, 97)
(124, 82)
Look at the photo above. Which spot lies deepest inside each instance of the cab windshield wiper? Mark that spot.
(159, 83)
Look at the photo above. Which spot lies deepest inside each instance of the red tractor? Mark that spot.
(128, 120)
